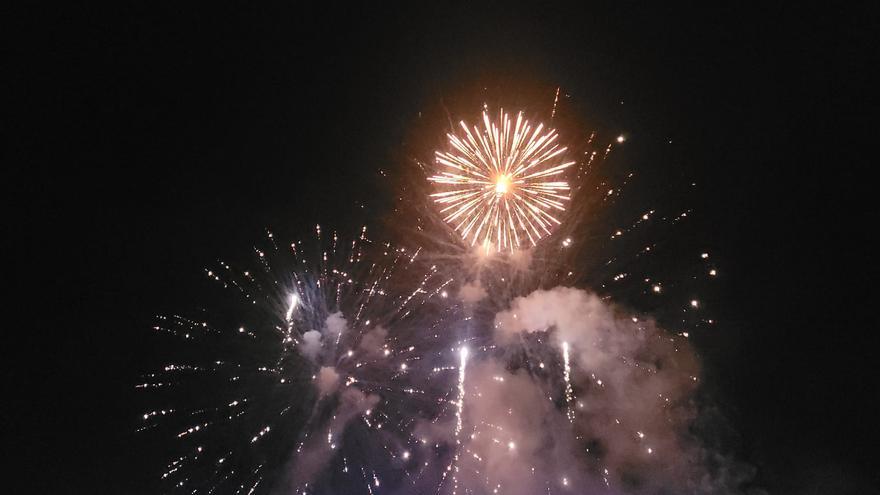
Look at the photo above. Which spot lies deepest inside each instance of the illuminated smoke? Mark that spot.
(305, 468)
(472, 292)
(373, 342)
(311, 344)
(636, 412)
(327, 380)
(335, 324)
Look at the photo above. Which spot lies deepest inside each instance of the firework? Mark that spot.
(345, 367)
(312, 325)
(502, 185)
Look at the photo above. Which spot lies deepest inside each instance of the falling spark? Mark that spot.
(463, 353)
(294, 300)
(501, 185)
(555, 102)
(569, 394)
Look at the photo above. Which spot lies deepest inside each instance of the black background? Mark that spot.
(153, 139)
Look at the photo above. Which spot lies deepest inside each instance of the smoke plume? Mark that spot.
(632, 407)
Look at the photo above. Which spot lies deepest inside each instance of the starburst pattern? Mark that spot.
(502, 185)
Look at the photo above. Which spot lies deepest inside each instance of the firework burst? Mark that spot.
(359, 367)
(502, 184)
(317, 329)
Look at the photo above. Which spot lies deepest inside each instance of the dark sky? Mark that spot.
(156, 138)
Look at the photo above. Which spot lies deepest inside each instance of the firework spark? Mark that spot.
(463, 353)
(569, 393)
(502, 185)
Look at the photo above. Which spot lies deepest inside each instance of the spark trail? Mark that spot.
(462, 366)
(569, 394)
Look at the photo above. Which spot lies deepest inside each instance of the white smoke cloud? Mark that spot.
(472, 292)
(327, 380)
(313, 340)
(521, 259)
(633, 406)
(634, 386)
(335, 325)
(373, 342)
(520, 438)
(575, 313)
(311, 344)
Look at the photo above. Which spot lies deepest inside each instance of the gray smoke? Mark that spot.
(634, 387)
(472, 292)
(335, 325)
(313, 340)
(373, 342)
(311, 344)
(327, 381)
(315, 454)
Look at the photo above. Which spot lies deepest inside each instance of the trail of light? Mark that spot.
(463, 353)
(294, 301)
(555, 102)
(569, 394)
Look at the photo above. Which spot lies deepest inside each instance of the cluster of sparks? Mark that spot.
(363, 285)
(502, 184)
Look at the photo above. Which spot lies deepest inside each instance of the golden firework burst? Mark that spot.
(502, 184)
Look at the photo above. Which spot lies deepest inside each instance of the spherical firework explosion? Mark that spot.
(502, 184)
(358, 367)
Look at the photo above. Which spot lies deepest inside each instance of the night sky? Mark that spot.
(156, 139)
